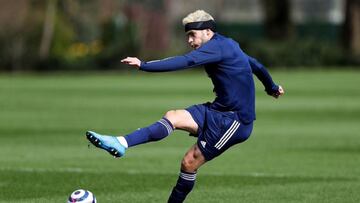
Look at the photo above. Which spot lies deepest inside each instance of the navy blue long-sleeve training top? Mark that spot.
(230, 70)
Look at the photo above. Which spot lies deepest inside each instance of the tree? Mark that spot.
(48, 29)
(151, 16)
(351, 37)
(277, 19)
(13, 18)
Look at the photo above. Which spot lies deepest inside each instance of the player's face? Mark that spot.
(196, 38)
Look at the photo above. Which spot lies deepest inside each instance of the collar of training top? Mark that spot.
(201, 25)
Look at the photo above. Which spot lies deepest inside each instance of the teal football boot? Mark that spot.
(108, 143)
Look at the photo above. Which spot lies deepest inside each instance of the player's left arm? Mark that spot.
(264, 76)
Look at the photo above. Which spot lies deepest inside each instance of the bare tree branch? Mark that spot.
(48, 29)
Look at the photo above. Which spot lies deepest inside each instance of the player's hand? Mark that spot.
(133, 61)
(278, 93)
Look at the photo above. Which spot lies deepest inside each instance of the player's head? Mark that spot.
(199, 28)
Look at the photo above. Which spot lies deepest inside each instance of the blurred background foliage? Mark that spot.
(81, 35)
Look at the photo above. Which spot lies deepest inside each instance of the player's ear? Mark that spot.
(208, 32)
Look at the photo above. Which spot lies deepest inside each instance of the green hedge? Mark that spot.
(305, 52)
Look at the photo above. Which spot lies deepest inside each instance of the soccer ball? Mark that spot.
(82, 196)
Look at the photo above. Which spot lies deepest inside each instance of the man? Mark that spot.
(218, 125)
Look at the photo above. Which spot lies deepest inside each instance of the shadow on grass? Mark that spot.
(265, 180)
(22, 184)
(329, 149)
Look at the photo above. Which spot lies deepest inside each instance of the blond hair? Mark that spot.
(197, 16)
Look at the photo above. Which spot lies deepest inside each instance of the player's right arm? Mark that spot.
(208, 53)
(133, 61)
(168, 64)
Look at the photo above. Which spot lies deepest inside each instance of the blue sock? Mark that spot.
(154, 132)
(183, 187)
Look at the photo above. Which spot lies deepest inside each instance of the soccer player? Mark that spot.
(218, 125)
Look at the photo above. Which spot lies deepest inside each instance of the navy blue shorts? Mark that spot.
(217, 130)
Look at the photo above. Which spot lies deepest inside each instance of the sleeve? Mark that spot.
(207, 53)
(263, 75)
(164, 65)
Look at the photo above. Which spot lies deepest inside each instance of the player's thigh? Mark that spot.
(193, 159)
(182, 119)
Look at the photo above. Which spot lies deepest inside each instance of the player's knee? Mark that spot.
(170, 114)
(188, 164)
(172, 117)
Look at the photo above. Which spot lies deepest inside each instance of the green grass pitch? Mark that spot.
(305, 147)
